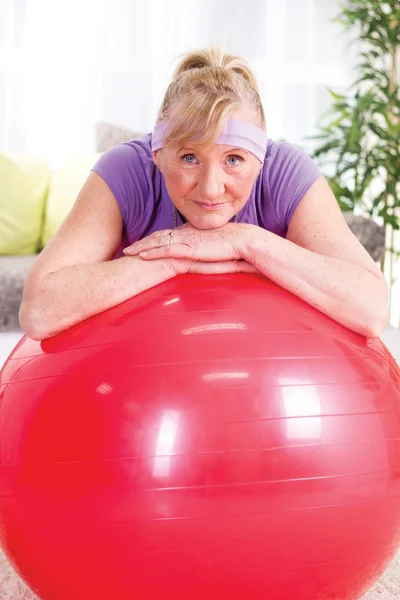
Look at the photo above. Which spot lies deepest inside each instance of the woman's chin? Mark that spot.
(210, 220)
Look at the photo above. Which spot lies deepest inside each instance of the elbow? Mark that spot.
(377, 329)
(371, 330)
(374, 322)
(31, 322)
(376, 311)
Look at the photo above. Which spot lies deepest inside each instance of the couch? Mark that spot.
(34, 199)
(33, 202)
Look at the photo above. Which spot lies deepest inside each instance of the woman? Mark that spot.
(207, 192)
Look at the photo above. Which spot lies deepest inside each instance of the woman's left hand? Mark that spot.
(208, 245)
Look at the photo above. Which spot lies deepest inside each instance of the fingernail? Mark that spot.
(143, 253)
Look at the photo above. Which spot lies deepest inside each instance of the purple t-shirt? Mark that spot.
(139, 188)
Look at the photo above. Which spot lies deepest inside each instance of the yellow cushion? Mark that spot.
(65, 185)
(24, 182)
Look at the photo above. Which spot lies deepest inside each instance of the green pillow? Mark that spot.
(24, 182)
(65, 185)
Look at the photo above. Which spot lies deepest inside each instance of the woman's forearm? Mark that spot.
(72, 294)
(350, 294)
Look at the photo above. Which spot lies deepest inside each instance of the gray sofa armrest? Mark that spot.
(13, 271)
(370, 234)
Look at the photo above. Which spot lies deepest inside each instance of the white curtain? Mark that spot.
(67, 64)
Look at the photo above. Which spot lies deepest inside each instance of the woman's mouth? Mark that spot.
(211, 206)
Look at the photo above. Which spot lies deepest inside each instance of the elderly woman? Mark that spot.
(206, 192)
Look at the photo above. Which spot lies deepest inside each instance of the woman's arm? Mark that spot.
(70, 295)
(322, 262)
(75, 278)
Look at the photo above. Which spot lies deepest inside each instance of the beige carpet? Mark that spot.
(12, 588)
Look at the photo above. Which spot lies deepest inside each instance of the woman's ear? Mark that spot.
(156, 158)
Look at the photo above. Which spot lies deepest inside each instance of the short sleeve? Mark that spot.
(123, 171)
(289, 174)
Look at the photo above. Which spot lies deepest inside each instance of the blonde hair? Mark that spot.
(207, 86)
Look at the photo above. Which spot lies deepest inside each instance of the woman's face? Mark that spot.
(209, 187)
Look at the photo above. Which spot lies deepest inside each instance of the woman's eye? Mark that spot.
(188, 156)
(237, 158)
(189, 159)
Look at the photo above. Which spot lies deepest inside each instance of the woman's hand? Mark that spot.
(187, 242)
(218, 268)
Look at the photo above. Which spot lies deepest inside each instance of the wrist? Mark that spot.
(249, 240)
(177, 266)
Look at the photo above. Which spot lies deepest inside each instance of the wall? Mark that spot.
(66, 65)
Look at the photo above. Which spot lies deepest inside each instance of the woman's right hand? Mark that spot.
(183, 265)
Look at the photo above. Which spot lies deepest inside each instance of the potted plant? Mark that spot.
(359, 139)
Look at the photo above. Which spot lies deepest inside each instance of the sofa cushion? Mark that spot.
(109, 135)
(13, 271)
(24, 182)
(65, 185)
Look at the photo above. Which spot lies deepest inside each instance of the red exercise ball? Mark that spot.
(214, 437)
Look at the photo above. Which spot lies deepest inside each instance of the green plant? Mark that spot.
(360, 135)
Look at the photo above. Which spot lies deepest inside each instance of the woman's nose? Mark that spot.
(211, 184)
